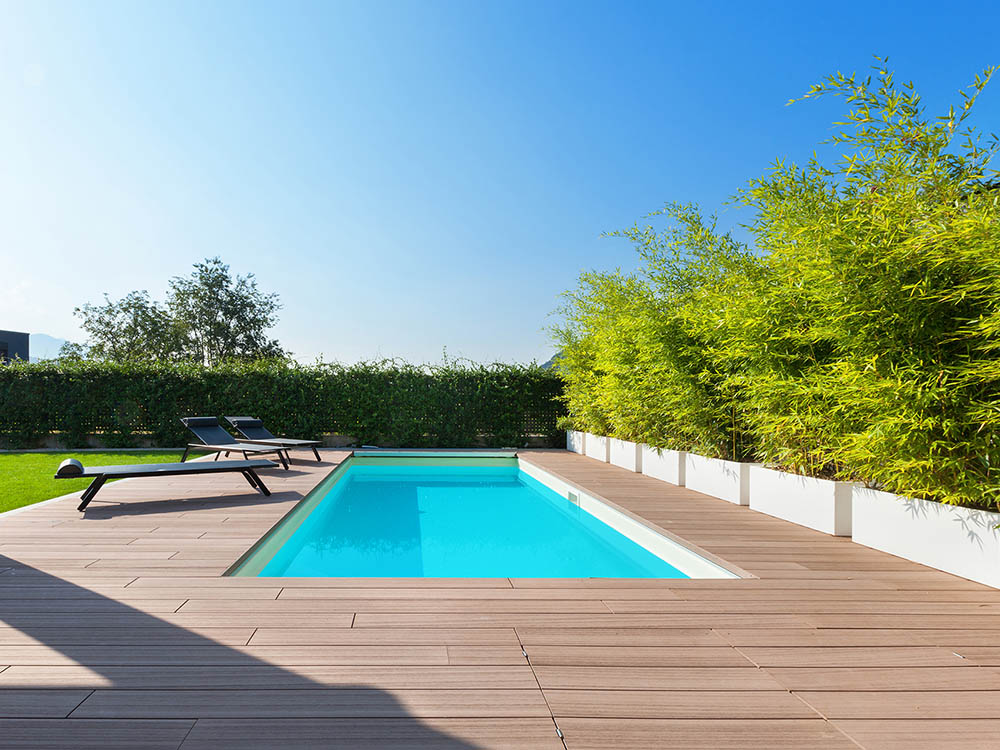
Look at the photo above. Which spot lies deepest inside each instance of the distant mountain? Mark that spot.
(42, 346)
(551, 361)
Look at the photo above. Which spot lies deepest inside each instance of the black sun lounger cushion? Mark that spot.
(245, 422)
(69, 468)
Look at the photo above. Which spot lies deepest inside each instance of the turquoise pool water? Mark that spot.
(453, 521)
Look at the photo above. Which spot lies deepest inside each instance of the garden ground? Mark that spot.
(118, 628)
(28, 476)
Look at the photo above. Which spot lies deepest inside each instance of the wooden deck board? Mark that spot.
(384, 734)
(259, 676)
(702, 734)
(898, 704)
(118, 630)
(650, 678)
(940, 734)
(621, 656)
(384, 636)
(26, 703)
(148, 655)
(887, 655)
(94, 735)
(361, 702)
(677, 704)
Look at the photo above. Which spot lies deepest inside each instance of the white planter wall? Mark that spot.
(625, 454)
(727, 480)
(665, 465)
(956, 540)
(961, 541)
(595, 446)
(820, 504)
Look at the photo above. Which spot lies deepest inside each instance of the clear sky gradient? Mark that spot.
(409, 176)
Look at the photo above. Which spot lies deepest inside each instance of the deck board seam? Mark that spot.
(84, 700)
(187, 734)
(541, 690)
(831, 722)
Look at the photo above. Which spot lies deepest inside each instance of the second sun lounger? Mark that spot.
(73, 469)
(253, 430)
(214, 438)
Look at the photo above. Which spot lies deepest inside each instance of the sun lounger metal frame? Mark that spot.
(101, 474)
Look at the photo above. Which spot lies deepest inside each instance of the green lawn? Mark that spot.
(27, 478)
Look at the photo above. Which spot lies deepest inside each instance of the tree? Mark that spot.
(71, 352)
(209, 317)
(133, 327)
(222, 317)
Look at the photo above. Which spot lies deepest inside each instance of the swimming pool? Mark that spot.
(456, 515)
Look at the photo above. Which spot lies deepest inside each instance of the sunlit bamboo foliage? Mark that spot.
(636, 349)
(857, 337)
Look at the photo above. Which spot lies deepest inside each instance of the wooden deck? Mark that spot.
(116, 630)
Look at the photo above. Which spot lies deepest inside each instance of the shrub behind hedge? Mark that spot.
(380, 403)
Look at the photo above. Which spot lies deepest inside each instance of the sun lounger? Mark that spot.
(214, 438)
(253, 430)
(73, 469)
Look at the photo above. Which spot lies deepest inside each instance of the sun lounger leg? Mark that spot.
(283, 461)
(186, 451)
(260, 484)
(316, 453)
(253, 482)
(88, 494)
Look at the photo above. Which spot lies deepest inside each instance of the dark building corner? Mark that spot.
(13, 345)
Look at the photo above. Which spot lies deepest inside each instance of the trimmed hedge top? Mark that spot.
(383, 403)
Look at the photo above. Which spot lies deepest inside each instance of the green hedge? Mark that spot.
(381, 403)
(856, 337)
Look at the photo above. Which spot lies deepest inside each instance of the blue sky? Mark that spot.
(409, 176)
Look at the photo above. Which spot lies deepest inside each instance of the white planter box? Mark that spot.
(625, 454)
(820, 504)
(665, 465)
(727, 480)
(961, 541)
(596, 446)
(575, 441)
